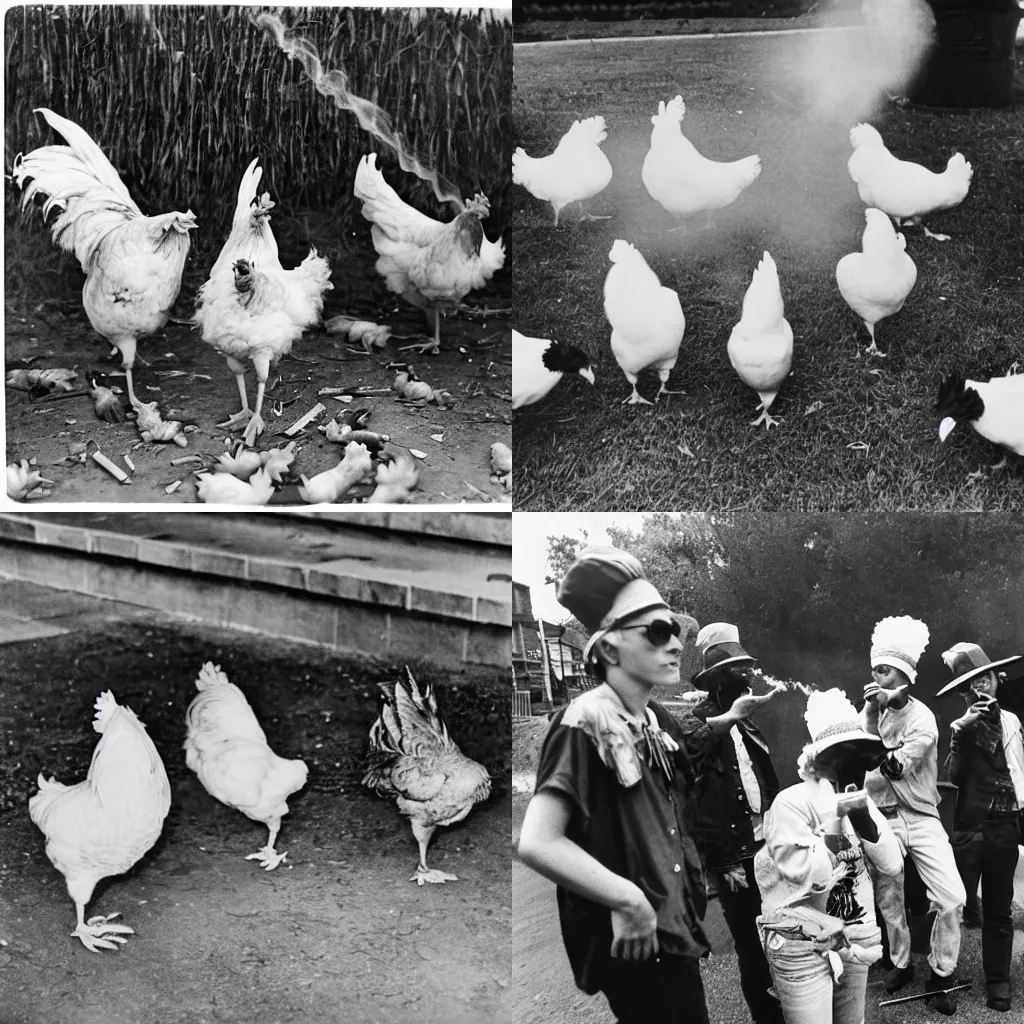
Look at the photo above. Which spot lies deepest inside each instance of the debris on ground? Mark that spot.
(24, 482)
(107, 404)
(225, 489)
(153, 427)
(41, 380)
(501, 464)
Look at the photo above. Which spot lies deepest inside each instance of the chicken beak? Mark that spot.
(946, 427)
(587, 374)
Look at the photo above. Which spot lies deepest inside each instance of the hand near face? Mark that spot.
(749, 702)
(735, 878)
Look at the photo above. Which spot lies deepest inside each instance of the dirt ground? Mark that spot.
(46, 327)
(337, 934)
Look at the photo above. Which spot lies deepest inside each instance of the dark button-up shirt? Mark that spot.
(640, 832)
(723, 822)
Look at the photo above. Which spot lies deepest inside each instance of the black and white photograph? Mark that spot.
(255, 255)
(768, 769)
(255, 767)
(766, 254)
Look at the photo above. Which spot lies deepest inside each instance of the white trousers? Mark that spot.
(924, 840)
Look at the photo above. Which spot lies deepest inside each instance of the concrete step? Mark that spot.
(356, 588)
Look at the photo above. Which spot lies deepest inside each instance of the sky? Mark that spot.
(530, 533)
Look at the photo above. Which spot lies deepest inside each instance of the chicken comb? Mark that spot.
(480, 205)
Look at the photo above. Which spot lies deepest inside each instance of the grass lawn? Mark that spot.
(871, 440)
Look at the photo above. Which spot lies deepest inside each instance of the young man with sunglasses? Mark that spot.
(609, 822)
(736, 783)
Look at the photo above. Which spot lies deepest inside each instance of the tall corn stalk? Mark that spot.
(182, 98)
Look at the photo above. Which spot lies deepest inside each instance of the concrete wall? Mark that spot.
(806, 591)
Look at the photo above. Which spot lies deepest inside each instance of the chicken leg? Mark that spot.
(242, 417)
(768, 420)
(663, 376)
(268, 857)
(434, 346)
(424, 874)
(261, 360)
(97, 933)
(872, 349)
(635, 398)
(126, 347)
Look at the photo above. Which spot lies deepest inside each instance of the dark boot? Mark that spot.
(944, 1002)
(999, 996)
(898, 977)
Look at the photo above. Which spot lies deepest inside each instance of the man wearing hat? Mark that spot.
(609, 821)
(986, 762)
(736, 784)
(904, 788)
(818, 920)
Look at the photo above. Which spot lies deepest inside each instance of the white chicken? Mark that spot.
(226, 489)
(538, 365)
(330, 485)
(414, 760)
(132, 263)
(228, 751)
(876, 282)
(396, 482)
(251, 308)
(647, 320)
(761, 344)
(900, 188)
(104, 825)
(577, 170)
(995, 408)
(431, 265)
(683, 181)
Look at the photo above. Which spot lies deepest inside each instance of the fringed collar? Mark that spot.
(623, 740)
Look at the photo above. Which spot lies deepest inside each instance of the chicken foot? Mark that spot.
(262, 363)
(433, 346)
(663, 376)
(127, 350)
(872, 349)
(242, 417)
(765, 418)
(915, 222)
(585, 215)
(423, 834)
(98, 933)
(268, 857)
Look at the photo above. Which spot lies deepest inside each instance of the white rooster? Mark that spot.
(995, 408)
(228, 750)
(574, 172)
(647, 320)
(431, 265)
(683, 181)
(104, 825)
(414, 760)
(761, 344)
(132, 263)
(876, 282)
(538, 364)
(251, 308)
(900, 188)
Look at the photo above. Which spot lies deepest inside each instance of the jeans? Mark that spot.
(803, 981)
(666, 990)
(990, 853)
(923, 838)
(740, 909)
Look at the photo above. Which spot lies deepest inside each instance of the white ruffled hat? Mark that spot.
(832, 719)
(899, 641)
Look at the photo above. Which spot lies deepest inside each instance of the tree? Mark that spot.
(671, 548)
(562, 553)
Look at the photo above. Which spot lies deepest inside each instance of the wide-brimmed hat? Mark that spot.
(718, 644)
(604, 588)
(831, 719)
(967, 662)
(899, 641)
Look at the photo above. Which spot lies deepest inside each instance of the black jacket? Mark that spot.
(723, 826)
